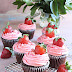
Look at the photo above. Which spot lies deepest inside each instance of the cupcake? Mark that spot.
(51, 26)
(47, 37)
(28, 27)
(21, 47)
(36, 60)
(9, 36)
(57, 52)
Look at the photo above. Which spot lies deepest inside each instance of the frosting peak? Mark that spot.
(33, 59)
(56, 50)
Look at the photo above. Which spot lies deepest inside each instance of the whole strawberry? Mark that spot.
(40, 49)
(64, 68)
(29, 21)
(52, 26)
(59, 41)
(50, 32)
(24, 40)
(7, 29)
(6, 53)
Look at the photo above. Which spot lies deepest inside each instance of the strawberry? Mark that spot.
(39, 49)
(64, 68)
(29, 22)
(24, 40)
(51, 26)
(50, 32)
(8, 29)
(6, 53)
(58, 41)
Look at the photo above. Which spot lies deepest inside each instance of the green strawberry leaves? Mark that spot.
(68, 67)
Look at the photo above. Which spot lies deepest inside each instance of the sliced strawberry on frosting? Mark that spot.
(40, 49)
(24, 40)
(50, 32)
(64, 68)
(6, 53)
(58, 41)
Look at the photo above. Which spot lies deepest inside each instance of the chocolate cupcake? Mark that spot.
(28, 27)
(9, 36)
(57, 52)
(35, 60)
(21, 47)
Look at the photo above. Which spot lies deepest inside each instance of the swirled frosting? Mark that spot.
(45, 39)
(33, 59)
(13, 35)
(23, 48)
(26, 27)
(56, 50)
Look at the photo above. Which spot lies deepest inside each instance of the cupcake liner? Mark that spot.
(28, 68)
(56, 61)
(8, 43)
(30, 32)
(19, 56)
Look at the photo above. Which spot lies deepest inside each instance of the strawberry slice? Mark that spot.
(6, 54)
(64, 68)
(58, 41)
(50, 33)
(39, 49)
(29, 22)
(24, 40)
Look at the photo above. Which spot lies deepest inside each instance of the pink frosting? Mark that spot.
(56, 50)
(26, 27)
(33, 59)
(45, 39)
(23, 48)
(13, 35)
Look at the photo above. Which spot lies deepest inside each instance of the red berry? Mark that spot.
(51, 34)
(62, 68)
(39, 50)
(7, 31)
(49, 25)
(24, 40)
(6, 53)
(29, 22)
(58, 41)
(9, 27)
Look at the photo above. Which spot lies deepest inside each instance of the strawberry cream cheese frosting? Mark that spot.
(33, 59)
(23, 48)
(13, 35)
(26, 27)
(56, 50)
(45, 39)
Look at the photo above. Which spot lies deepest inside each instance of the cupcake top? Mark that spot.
(10, 34)
(27, 25)
(23, 45)
(45, 39)
(57, 48)
(36, 57)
